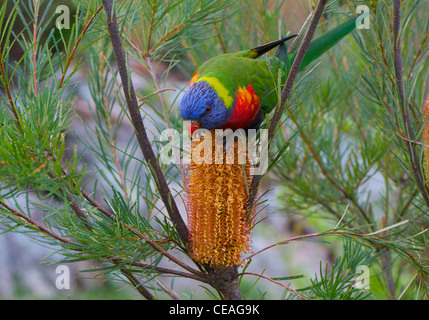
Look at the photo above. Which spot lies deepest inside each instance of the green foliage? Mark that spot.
(349, 162)
(339, 158)
(340, 283)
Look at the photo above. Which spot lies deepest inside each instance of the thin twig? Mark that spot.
(139, 126)
(219, 37)
(288, 89)
(274, 281)
(167, 290)
(383, 54)
(84, 30)
(365, 236)
(152, 18)
(414, 159)
(198, 275)
(27, 220)
(36, 16)
(165, 37)
(78, 210)
(170, 271)
(137, 284)
(412, 141)
(316, 156)
(418, 54)
(108, 120)
(22, 217)
(286, 241)
(142, 236)
(7, 89)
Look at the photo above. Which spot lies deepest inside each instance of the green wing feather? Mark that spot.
(241, 69)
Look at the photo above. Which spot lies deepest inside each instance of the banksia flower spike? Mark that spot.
(217, 194)
(425, 136)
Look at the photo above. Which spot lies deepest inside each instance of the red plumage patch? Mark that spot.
(194, 78)
(246, 109)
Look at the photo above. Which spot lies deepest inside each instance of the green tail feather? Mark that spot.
(323, 43)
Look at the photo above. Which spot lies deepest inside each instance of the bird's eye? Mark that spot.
(208, 109)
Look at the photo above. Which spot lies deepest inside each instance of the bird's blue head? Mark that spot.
(202, 105)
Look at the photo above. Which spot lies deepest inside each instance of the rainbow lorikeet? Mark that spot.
(235, 90)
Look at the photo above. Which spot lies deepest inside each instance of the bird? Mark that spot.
(236, 90)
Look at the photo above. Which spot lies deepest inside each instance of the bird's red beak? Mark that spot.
(193, 126)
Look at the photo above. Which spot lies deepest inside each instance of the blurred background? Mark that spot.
(25, 271)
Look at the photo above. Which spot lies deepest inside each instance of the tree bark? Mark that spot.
(225, 281)
(142, 138)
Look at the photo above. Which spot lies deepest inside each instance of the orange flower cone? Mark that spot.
(217, 195)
